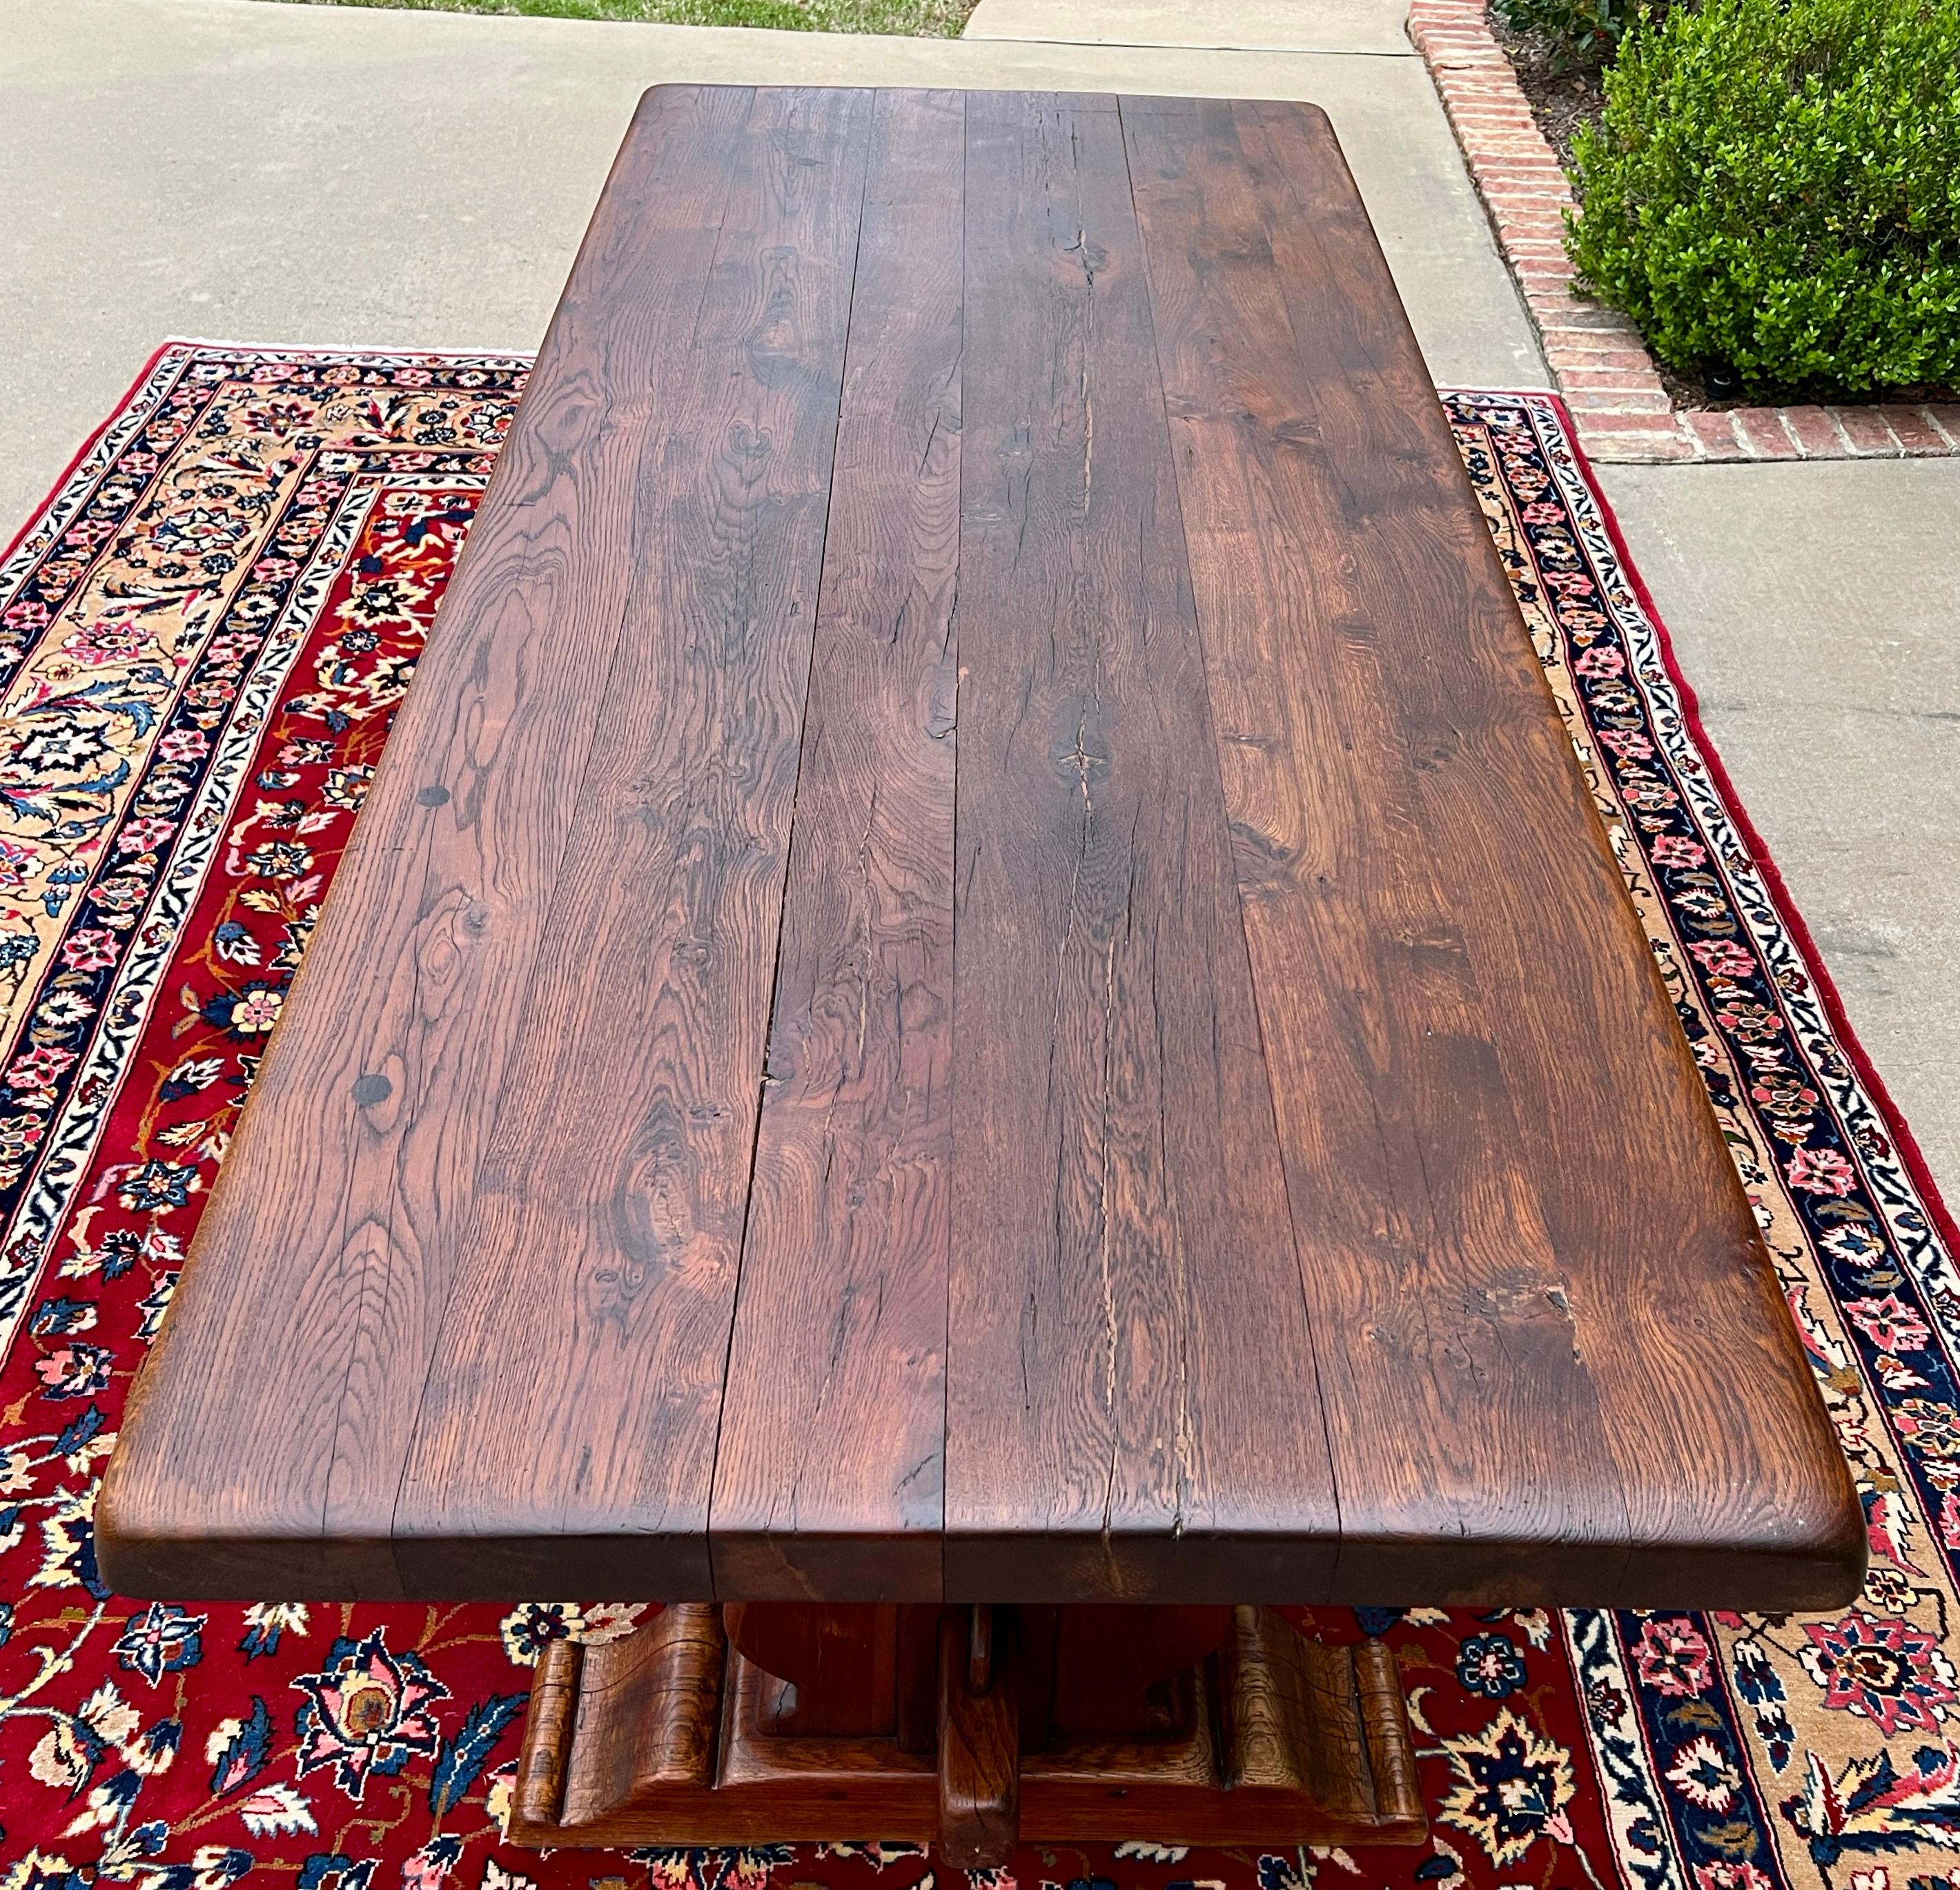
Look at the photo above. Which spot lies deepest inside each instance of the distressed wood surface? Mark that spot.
(595, 1290)
(1125, 1300)
(326, 1261)
(979, 969)
(1587, 1398)
(829, 1472)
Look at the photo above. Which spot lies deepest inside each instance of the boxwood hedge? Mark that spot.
(1775, 187)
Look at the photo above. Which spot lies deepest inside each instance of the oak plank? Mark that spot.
(566, 1434)
(1519, 1188)
(263, 1448)
(829, 1471)
(1736, 1485)
(1131, 1400)
(1424, 1250)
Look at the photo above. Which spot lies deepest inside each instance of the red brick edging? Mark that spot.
(1602, 366)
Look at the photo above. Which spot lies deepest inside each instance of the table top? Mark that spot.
(979, 967)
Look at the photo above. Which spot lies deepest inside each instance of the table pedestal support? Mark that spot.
(966, 1728)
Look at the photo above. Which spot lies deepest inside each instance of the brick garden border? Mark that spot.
(1620, 406)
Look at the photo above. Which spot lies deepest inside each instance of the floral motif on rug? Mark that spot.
(206, 631)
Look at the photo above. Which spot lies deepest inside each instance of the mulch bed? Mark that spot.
(1562, 96)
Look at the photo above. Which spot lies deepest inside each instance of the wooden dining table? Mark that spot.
(980, 1028)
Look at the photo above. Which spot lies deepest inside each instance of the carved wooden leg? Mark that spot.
(979, 1740)
(1186, 1725)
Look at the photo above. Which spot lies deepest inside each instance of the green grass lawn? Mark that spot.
(941, 19)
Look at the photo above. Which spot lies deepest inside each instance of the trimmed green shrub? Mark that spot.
(1775, 185)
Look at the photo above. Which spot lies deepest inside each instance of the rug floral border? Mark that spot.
(1618, 403)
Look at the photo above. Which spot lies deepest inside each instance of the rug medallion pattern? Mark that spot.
(202, 639)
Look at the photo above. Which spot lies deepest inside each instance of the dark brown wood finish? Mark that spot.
(840, 1661)
(285, 1388)
(828, 1473)
(1218, 1136)
(1332, 656)
(1125, 1305)
(673, 1736)
(1525, 1229)
(595, 1289)
(979, 1809)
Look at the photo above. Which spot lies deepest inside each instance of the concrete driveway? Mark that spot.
(264, 173)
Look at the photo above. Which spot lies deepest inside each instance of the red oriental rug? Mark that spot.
(205, 632)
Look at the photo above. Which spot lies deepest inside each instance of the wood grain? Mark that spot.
(1517, 1187)
(1425, 1249)
(1130, 1398)
(648, 1713)
(1734, 1484)
(1303, 1721)
(1208, 1131)
(828, 1468)
(1385, 1724)
(550, 1724)
(296, 1349)
(1265, 1743)
(979, 1743)
(596, 1288)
